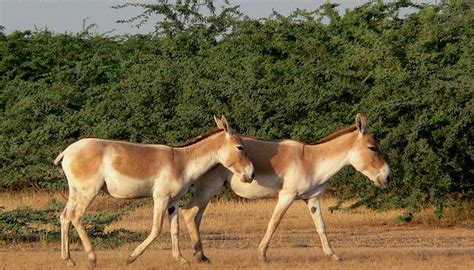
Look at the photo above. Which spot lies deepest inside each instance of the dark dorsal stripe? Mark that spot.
(336, 134)
(200, 137)
(330, 137)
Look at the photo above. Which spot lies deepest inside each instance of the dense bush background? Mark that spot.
(300, 77)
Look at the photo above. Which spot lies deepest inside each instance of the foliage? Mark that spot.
(31, 225)
(301, 76)
(24, 224)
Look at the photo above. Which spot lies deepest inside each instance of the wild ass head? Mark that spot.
(232, 154)
(365, 155)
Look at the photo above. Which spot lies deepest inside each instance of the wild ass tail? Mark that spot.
(59, 158)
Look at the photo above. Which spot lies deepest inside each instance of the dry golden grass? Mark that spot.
(231, 232)
(12, 200)
(247, 259)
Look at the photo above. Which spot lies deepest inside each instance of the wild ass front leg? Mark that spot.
(159, 210)
(284, 202)
(173, 209)
(315, 211)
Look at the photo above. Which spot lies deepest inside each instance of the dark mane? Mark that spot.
(330, 137)
(200, 137)
(336, 134)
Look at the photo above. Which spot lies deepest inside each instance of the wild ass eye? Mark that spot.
(240, 147)
(373, 148)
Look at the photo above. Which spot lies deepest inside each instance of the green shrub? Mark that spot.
(29, 225)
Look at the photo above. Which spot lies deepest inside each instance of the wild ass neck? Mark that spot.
(329, 157)
(194, 160)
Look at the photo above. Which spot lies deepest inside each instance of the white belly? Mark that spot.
(124, 187)
(260, 188)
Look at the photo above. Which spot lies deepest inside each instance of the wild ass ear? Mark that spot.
(222, 123)
(361, 123)
(225, 124)
(218, 122)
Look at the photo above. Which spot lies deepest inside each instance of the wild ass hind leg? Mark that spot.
(65, 220)
(192, 218)
(206, 189)
(314, 207)
(284, 202)
(75, 209)
(173, 213)
(159, 209)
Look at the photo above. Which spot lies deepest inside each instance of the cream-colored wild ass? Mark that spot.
(291, 171)
(126, 170)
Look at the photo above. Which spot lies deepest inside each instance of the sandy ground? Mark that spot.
(231, 232)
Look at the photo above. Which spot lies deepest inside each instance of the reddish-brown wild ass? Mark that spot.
(291, 171)
(127, 170)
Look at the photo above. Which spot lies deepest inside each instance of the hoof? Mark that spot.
(130, 260)
(70, 262)
(92, 264)
(334, 257)
(182, 261)
(202, 259)
(263, 258)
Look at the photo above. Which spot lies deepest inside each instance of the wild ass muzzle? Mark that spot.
(128, 170)
(290, 171)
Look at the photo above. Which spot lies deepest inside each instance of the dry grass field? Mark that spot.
(232, 230)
